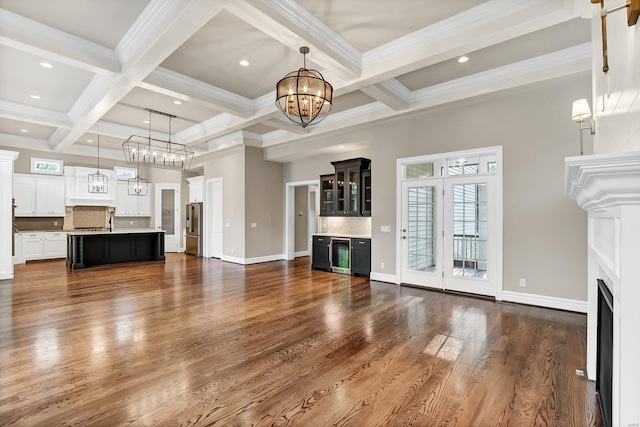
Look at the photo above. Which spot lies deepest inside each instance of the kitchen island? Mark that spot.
(91, 248)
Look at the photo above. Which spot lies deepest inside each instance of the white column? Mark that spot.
(6, 225)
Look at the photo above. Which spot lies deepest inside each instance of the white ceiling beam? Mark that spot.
(43, 41)
(391, 93)
(161, 29)
(293, 26)
(29, 114)
(187, 89)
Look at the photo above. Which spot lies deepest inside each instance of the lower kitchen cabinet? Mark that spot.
(320, 253)
(40, 245)
(361, 257)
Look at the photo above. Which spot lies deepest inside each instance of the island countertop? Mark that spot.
(116, 231)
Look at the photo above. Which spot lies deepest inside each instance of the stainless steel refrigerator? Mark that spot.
(194, 228)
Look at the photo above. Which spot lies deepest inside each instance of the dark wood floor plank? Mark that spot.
(199, 342)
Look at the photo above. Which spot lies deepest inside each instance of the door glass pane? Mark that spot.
(417, 171)
(353, 192)
(340, 205)
(168, 211)
(421, 232)
(470, 230)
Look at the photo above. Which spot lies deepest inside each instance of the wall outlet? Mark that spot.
(226, 224)
(324, 226)
(385, 228)
(254, 224)
(232, 250)
(523, 283)
(382, 265)
(55, 223)
(130, 222)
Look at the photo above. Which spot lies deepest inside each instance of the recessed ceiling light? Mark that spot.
(24, 130)
(46, 65)
(340, 146)
(177, 102)
(463, 59)
(35, 96)
(244, 63)
(89, 140)
(145, 121)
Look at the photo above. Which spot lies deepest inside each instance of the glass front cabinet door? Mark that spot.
(326, 194)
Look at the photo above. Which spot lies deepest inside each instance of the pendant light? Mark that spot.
(303, 95)
(98, 182)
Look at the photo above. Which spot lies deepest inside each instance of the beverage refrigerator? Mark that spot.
(194, 229)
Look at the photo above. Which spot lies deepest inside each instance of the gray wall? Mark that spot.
(264, 198)
(544, 231)
(230, 166)
(301, 227)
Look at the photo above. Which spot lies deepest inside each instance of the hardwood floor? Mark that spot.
(195, 342)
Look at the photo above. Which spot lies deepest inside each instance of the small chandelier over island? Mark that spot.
(304, 96)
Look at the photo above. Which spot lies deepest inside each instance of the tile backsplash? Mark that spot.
(39, 224)
(345, 225)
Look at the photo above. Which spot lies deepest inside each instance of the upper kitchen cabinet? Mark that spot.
(342, 191)
(196, 189)
(131, 205)
(77, 186)
(37, 195)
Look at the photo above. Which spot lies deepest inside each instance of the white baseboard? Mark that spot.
(545, 301)
(380, 277)
(256, 260)
(301, 253)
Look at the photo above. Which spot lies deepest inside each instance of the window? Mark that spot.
(52, 167)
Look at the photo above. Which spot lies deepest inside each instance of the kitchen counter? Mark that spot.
(350, 236)
(91, 248)
(116, 231)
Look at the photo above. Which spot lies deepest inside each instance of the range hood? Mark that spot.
(77, 188)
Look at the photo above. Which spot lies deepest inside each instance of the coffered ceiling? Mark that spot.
(112, 59)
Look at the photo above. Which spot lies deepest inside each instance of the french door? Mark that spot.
(448, 233)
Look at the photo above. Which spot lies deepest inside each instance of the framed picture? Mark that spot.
(51, 167)
(125, 173)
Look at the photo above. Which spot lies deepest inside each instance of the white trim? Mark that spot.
(255, 260)
(380, 277)
(545, 301)
(289, 215)
(302, 253)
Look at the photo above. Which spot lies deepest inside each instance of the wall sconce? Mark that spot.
(633, 11)
(579, 112)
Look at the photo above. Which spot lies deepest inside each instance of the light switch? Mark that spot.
(254, 224)
(385, 228)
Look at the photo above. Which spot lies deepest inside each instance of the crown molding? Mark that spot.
(448, 28)
(116, 130)
(307, 22)
(29, 114)
(540, 63)
(601, 181)
(195, 91)
(36, 38)
(24, 142)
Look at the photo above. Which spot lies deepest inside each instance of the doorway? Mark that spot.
(450, 221)
(168, 215)
(291, 213)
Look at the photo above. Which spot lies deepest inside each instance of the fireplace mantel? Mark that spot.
(607, 186)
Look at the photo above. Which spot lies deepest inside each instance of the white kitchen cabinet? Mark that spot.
(32, 246)
(17, 257)
(37, 195)
(54, 245)
(24, 193)
(196, 189)
(50, 196)
(129, 205)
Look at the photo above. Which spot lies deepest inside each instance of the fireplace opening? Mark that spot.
(604, 362)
